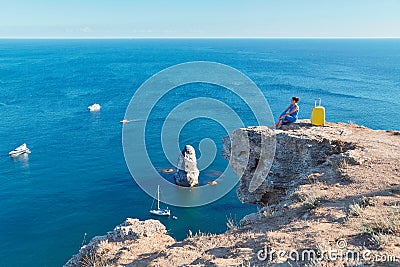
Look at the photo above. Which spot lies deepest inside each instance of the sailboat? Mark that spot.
(158, 211)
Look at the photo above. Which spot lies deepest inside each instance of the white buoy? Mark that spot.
(212, 183)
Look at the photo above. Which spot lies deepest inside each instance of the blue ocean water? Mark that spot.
(76, 180)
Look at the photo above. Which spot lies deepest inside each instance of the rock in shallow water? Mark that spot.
(187, 173)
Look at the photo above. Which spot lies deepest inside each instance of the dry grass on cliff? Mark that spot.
(357, 203)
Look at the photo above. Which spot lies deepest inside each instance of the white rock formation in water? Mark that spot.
(187, 173)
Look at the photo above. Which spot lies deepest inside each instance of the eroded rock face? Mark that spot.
(133, 229)
(301, 150)
(187, 173)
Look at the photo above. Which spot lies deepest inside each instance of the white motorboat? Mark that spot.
(158, 211)
(94, 107)
(22, 149)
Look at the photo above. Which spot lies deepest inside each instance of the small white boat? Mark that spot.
(94, 107)
(158, 211)
(22, 149)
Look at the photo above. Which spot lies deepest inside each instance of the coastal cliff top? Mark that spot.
(331, 187)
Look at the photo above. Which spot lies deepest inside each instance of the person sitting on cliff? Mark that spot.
(290, 113)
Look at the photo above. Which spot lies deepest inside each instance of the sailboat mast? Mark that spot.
(158, 197)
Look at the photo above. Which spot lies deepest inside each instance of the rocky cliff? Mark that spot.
(302, 151)
(332, 187)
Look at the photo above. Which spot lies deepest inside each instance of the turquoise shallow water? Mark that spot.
(76, 180)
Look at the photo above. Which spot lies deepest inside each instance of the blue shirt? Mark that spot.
(292, 107)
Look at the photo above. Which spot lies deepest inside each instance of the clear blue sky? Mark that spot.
(205, 18)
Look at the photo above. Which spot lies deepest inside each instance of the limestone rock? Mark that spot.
(301, 149)
(250, 218)
(187, 173)
(104, 250)
(133, 229)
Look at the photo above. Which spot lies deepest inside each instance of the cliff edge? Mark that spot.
(332, 188)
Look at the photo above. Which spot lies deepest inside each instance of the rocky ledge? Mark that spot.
(124, 245)
(302, 152)
(327, 186)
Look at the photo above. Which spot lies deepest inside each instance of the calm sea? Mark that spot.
(76, 180)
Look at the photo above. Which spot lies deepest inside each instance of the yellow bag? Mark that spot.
(318, 113)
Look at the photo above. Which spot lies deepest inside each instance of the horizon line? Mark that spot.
(195, 37)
